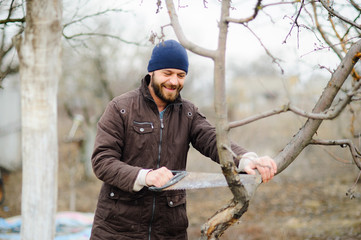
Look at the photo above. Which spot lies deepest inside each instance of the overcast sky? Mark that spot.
(297, 55)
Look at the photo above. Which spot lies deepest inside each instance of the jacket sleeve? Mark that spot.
(203, 138)
(107, 154)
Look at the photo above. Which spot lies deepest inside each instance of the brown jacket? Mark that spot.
(131, 136)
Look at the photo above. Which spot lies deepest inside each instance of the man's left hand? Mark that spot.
(265, 165)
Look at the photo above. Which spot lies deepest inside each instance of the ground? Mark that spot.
(297, 204)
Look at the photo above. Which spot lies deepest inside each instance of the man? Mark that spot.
(141, 137)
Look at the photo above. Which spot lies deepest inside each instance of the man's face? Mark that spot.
(167, 84)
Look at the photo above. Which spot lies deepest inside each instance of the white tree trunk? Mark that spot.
(40, 70)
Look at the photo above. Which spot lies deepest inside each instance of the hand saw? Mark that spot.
(184, 180)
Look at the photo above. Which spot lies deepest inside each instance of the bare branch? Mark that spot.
(337, 158)
(257, 8)
(159, 6)
(246, 20)
(160, 38)
(100, 35)
(351, 191)
(222, 219)
(274, 59)
(355, 5)
(182, 38)
(12, 20)
(328, 114)
(254, 118)
(301, 139)
(295, 22)
(334, 13)
(91, 15)
(356, 154)
(322, 32)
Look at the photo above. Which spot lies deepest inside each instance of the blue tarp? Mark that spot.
(69, 226)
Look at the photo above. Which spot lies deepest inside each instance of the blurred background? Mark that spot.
(106, 48)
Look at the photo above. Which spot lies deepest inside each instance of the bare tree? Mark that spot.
(324, 109)
(39, 53)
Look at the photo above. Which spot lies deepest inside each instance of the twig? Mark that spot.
(323, 34)
(160, 38)
(257, 8)
(295, 23)
(100, 35)
(11, 20)
(91, 15)
(351, 191)
(159, 6)
(334, 13)
(274, 59)
(254, 118)
(246, 20)
(329, 114)
(337, 158)
(355, 153)
(357, 7)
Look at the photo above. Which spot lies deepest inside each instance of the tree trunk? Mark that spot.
(40, 70)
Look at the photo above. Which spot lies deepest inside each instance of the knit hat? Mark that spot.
(168, 54)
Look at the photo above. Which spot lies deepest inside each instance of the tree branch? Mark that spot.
(90, 16)
(355, 5)
(322, 32)
(250, 18)
(12, 20)
(99, 35)
(355, 153)
(328, 114)
(333, 12)
(223, 219)
(257, 117)
(275, 60)
(182, 38)
(305, 134)
(295, 21)
(257, 8)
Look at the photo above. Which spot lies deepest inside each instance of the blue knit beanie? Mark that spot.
(168, 54)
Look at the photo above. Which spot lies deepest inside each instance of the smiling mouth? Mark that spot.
(170, 88)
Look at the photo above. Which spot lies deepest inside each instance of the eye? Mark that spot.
(167, 73)
(181, 76)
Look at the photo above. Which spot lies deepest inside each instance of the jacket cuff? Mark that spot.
(140, 180)
(246, 159)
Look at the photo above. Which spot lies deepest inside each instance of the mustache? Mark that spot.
(171, 86)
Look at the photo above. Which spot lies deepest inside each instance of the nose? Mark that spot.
(174, 79)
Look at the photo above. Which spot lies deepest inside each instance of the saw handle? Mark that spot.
(179, 175)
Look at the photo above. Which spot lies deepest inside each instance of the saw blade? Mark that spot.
(199, 180)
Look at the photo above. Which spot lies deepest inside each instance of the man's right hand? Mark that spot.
(158, 177)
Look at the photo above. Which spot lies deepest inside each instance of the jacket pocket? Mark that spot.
(139, 139)
(123, 213)
(143, 127)
(175, 221)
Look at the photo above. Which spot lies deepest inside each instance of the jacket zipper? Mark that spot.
(158, 165)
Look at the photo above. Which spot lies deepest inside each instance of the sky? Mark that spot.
(297, 56)
(200, 26)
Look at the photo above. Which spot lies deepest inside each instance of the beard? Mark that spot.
(161, 93)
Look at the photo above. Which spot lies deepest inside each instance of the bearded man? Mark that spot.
(141, 137)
